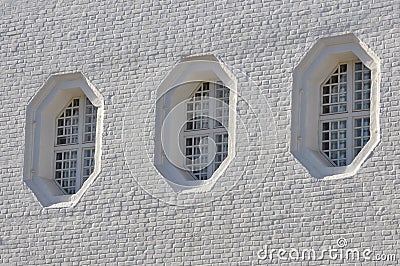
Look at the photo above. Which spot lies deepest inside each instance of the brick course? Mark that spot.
(125, 49)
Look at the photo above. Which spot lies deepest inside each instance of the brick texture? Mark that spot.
(125, 49)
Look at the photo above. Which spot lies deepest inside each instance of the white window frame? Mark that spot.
(41, 115)
(308, 75)
(349, 115)
(79, 147)
(211, 132)
(171, 97)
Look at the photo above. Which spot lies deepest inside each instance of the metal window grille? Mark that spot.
(75, 144)
(345, 107)
(206, 135)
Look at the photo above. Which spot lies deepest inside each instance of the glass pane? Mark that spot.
(334, 91)
(65, 170)
(334, 134)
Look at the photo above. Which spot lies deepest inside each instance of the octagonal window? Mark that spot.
(345, 112)
(75, 144)
(195, 122)
(335, 119)
(63, 138)
(205, 134)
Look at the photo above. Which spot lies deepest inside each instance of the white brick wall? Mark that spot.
(124, 49)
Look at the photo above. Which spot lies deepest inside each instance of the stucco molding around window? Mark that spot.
(307, 79)
(172, 96)
(41, 114)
